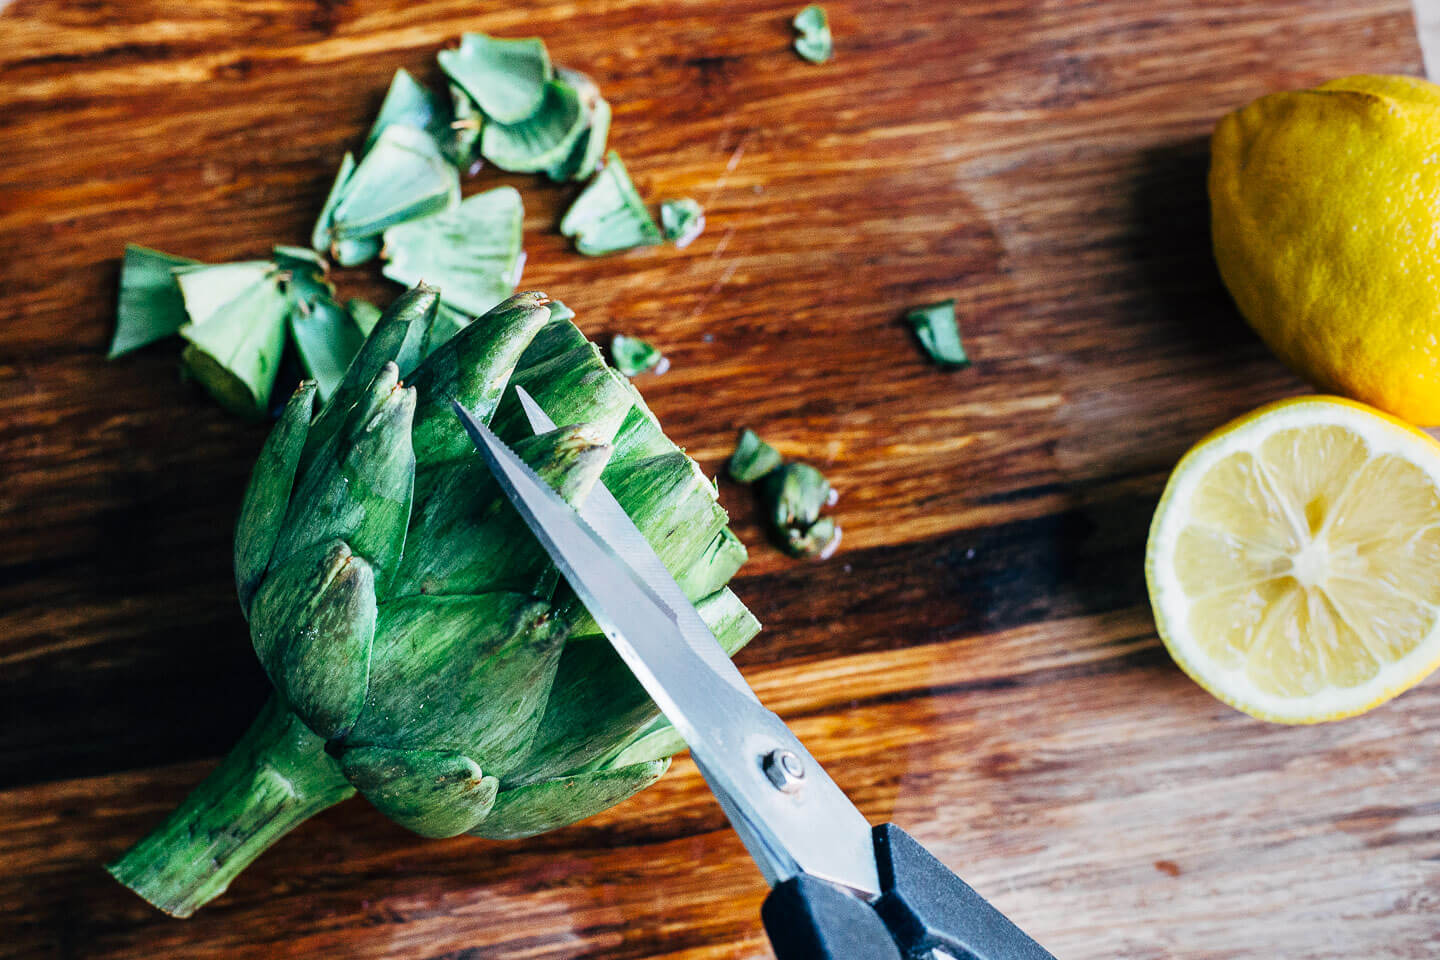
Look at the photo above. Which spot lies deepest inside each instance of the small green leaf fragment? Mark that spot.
(207, 289)
(320, 235)
(402, 177)
(820, 539)
(753, 458)
(795, 494)
(326, 338)
(461, 141)
(814, 42)
(939, 333)
(540, 141)
(471, 252)
(506, 78)
(585, 155)
(236, 331)
(559, 312)
(793, 497)
(352, 253)
(305, 274)
(609, 215)
(634, 356)
(410, 104)
(150, 306)
(682, 220)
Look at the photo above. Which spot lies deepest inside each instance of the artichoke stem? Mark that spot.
(276, 777)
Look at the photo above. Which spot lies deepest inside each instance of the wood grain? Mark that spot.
(978, 662)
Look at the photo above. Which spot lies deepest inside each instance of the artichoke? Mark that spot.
(422, 648)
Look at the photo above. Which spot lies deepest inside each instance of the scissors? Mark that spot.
(840, 889)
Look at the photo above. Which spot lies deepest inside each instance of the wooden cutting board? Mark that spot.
(977, 664)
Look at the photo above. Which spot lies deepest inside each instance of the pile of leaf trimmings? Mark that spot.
(507, 105)
(791, 495)
(399, 198)
(236, 318)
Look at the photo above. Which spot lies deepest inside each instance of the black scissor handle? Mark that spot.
(922, 907)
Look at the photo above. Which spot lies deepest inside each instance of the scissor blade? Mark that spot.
(603, 512)
(814, 830)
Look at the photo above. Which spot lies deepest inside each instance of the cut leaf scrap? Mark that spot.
(327, 339)
(505, 78)
(542, 140)
(585, 156)
(634, 356)
(151, 307)
(403, 176)
(682, 220)
(236, 331)
(472, 252)
(463, 138)
(753, 458)
(794, 495)
(939, 333)
(609, 215)
(814, 42)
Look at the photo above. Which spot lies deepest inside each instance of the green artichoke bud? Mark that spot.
(423, 650)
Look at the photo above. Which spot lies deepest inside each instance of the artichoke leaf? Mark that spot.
(448, 323)
(466, 539)
(209, 289)
(574, 386)
(365, 314)
(320, 235)
(473, 368)
(813, 41)
(584, 157)
(609, 215)
(640, 435)
(268, 493)
(326, 339)
(471, 252)
(436, 793)
(353, 251)
(541, 141)
(359, 487)
(634, 356)
(464, 134)
(550, 804)
(721, 560)
(403, 176)
(403, 325)
(150, 307)
(469, 674)
(682, 221)
(596, 705)
(505, 78)
(313, 624)
(236, 332)
(753, 458)
(408, 103)
(939, 333)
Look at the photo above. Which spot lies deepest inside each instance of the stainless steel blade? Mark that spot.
(804, 823)
(603, 512)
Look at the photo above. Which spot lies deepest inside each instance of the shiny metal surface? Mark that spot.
(605, 515)
(814, 829)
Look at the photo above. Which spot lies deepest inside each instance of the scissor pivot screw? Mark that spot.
(785, 769)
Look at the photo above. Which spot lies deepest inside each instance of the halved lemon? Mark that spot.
(1294, 560)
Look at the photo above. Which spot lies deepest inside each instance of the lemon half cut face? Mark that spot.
(1294, 560)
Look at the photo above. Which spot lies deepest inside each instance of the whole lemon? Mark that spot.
(1325, 214)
